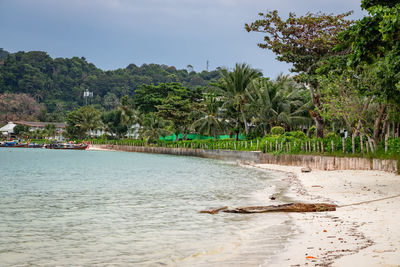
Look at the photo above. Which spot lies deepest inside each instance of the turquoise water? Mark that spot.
(101, 208)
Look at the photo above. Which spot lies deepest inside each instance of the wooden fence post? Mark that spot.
(343, 145)
(386, 142)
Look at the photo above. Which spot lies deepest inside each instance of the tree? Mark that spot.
(152, 127)
(50, 130)
(302, 41)
(128, 113)
(209, 122)
(176, 108)
(283, 102)
(20, 129)
(111, 101)
(14, 107)
(3, 53)
(113, 123)
(232, 88)
(82, 121)
(374, 41)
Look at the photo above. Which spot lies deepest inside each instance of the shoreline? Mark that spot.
(366, 234)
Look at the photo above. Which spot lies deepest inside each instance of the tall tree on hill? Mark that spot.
(302, 41)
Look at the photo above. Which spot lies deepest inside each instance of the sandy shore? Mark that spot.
(366, 234)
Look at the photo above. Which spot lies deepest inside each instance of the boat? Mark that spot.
(67, 146)
(13, 144)
(35, 145)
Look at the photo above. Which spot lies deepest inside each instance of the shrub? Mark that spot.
(331, 135)
(277, 130)
(296, 134)
(311, 131)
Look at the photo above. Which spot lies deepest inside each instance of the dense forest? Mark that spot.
(57, 85)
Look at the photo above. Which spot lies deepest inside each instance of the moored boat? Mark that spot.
(13, 144)
(67, 146)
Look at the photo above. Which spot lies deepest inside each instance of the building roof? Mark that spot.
(9, 127)
(40, 124)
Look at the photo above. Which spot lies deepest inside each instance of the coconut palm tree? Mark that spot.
(83, 120)
(279, 103)
(152, 127)
(232, 87)
(50, 129)
(209, 122)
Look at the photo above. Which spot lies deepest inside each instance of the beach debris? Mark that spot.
(306, 169)
(311, 257)
(292, 207)
(273, 197)
(214, 211)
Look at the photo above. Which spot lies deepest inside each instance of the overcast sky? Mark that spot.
(114, 33)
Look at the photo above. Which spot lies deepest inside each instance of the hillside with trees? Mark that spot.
(59, 84)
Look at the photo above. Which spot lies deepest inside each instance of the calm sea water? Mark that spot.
(68, 208)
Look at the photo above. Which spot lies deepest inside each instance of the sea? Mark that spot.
(109, 208)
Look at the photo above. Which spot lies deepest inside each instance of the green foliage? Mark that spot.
(302, 41)
(113, 123)
(332, 135)
(296, 134)
(177, 107)
(152, 127)
(3, 54)
(82, 121)
(233, 87)
(50, 130)
(62, 81)
(277, 130)
(312, 130)
(21, 129)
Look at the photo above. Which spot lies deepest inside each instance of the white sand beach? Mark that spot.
(366, 234)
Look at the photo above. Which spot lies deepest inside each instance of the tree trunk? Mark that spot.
(378, 120)
(319, 121)
(246, 127)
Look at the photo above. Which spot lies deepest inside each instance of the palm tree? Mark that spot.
(50, 130)
(129, 114)
(232, 88)
(208, 122)
(279, 103)
(83, 120)
(152, 127)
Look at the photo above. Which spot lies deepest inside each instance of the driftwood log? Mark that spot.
(292, 207)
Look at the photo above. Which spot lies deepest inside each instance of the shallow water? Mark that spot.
(117, 208)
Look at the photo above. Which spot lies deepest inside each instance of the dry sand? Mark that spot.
(366, 234)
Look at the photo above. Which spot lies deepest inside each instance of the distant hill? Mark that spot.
(59, 83)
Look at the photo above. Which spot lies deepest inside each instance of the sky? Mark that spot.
(115, 33)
